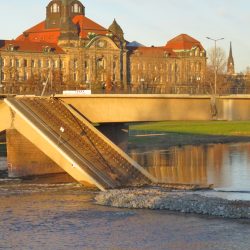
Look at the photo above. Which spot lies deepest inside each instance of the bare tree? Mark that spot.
(216, 68)
(217, 60)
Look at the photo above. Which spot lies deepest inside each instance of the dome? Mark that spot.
(116, 29)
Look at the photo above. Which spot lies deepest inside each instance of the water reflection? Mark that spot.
(224, 165)
(3, 163)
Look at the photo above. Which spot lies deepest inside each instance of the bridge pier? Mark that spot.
(117, 133)
(26, 160)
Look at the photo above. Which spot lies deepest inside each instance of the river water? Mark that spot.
(226, 166)
(64, 216)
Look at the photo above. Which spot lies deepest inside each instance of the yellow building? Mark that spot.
(70, 51)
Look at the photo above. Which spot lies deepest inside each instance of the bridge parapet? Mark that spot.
(144, 108)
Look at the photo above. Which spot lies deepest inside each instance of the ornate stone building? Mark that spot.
(70, 51)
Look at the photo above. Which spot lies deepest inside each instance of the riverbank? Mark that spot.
(222, 204)
(169, 134)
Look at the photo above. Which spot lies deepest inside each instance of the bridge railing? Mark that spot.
(23, 89)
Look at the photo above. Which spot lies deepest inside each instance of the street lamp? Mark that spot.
(215, 62)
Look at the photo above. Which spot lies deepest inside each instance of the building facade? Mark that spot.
(70, 51)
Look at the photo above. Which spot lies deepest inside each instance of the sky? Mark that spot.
(151, 22)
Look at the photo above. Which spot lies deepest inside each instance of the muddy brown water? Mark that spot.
(64, 216)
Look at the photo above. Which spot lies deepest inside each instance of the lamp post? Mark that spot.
(215, 62)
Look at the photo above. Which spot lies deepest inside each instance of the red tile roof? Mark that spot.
(183, 42)
(28, 46)
(39, 33)
(87, 25)
(154, 51)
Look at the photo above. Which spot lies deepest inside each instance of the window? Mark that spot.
(75, 76)
(4, 62)
(76, 8)
(39, 63)
(32, 63)
(86, 65)
(55, 8)
(161, 79)
(47, 63)
(75, 64)
(25, 63)
(17, 76)
(3, 76)
(25, 76)
(12, 62)
(101, 63)
(86, 77)
(51, 63)
(17, 63)
(102, 77)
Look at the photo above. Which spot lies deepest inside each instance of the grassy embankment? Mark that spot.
(184, 133)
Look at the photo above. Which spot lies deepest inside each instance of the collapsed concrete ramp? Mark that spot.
(74, 144)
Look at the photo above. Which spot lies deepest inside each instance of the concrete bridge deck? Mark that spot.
(141, 108)
(72, 142)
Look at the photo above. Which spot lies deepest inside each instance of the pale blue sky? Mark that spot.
(151, 22)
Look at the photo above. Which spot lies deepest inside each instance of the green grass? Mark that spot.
(225, 128)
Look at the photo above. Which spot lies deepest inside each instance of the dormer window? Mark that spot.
(76, 8)
(55, 8)
(48, 49)
(11, 47)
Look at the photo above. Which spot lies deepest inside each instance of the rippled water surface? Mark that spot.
(65, 217)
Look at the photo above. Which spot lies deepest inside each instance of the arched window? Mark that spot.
(55, 8)
(101, 63)
(76, 8)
